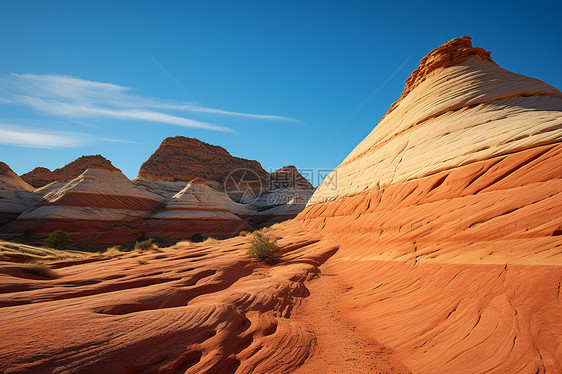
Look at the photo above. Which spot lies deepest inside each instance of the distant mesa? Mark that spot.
(288, 177)
(41, 176)
(181, 158)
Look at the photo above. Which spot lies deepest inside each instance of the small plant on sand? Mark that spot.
(145, 245)
(197, 238)
(210, 240)
(114, 251)
(40, 270)
(243, 233)
(57, 240)
(264, 248)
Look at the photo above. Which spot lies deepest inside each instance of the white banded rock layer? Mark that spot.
(100, 206)
(199, 208)
(468, 112)
(16, 195)
(448, 217)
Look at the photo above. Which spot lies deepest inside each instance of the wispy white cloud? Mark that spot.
(66, 96)
(35, 138)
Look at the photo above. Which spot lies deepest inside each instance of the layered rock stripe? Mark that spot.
(99, 206)
(15, 195)
(448, 217)
(199, 208)
(41, 176)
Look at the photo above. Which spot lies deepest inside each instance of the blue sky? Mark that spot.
(267, 80)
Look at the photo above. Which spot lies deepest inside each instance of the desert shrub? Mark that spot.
(197, 238)
(57, 240)
(243, 233)
(40, 270)
(264, 248)
(114, 251)
(145, 245)
(211, 240)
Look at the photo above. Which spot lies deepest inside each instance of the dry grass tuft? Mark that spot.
(40, 270)
(116, 250)
(210, 240)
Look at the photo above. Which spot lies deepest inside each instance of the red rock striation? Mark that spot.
(40, 176)
(182, 159)
(99, 206)
(448, 218)
(199, 208)
(15, 195)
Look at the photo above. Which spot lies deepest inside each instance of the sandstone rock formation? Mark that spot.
(199, 208)
(448, 218)
(182, 159)
(16, 196)
(288, 177)
(442, 242)
(286, 194)
(41, 176)
(99, 206)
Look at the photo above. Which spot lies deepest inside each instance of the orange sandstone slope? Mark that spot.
(449, 217)
(191, 308)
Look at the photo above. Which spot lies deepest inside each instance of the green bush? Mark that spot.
(57, 240)
(144, 245)
(264, 248)
(197, 238)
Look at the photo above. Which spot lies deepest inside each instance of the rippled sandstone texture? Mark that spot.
(40, 176)
(205, 308)
(449, 220)
(182, 159)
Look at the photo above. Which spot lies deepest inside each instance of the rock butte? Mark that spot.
(40, 176)
(183, 159)
(442, 248)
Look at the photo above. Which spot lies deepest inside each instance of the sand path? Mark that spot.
(340, 347)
